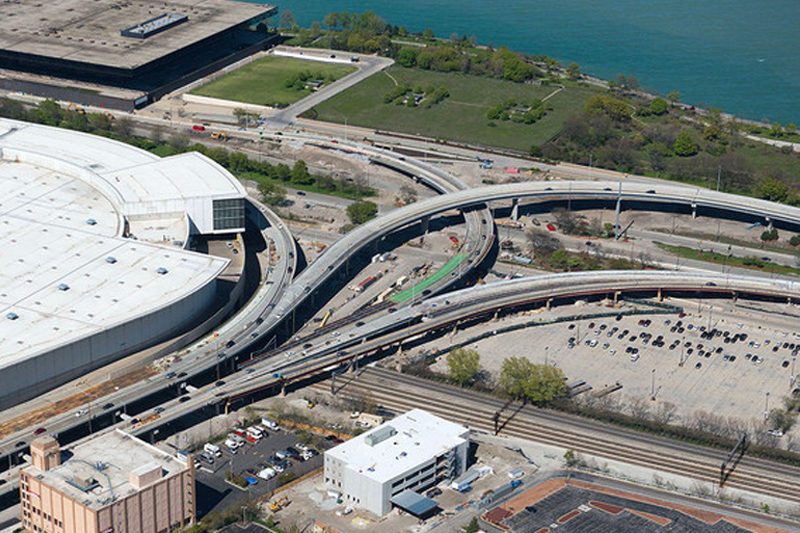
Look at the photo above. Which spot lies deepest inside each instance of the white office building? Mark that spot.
(406, 455)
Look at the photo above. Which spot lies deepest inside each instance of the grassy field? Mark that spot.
(753, 263)
(262, 81)
(461, 116)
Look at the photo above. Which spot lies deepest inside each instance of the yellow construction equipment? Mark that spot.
(77, 109)
(219, 135)
(279, 504)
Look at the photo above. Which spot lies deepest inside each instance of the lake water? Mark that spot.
(742, 56)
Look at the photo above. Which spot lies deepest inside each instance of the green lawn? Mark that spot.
(262, 81)
(461, 116)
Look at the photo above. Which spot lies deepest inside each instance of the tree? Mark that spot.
(407, 56)
(573, 70)
(473, 526)
(684, 145)
(464, 365)
(658, 106)
(541, 242)
(674, 96)
(774, 189)
(566, 221)
(795, 240)
(286, 20)
(362, 211)
(271, 193)
(316, 29)
(428, 34)
(769, 235)
(331, 20)
(300, 174)
(407, 194)
(537, 383)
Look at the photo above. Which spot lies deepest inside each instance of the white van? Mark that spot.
(269, 423)
(255, 432)
(267, 473)
(231, 445)
(212, 449)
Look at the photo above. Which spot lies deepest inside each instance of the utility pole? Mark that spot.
(719, 175)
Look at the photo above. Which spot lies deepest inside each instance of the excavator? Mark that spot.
(279, 504)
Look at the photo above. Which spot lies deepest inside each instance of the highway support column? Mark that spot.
(515, 209)
(426, 221)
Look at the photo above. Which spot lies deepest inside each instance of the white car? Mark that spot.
(267, 473)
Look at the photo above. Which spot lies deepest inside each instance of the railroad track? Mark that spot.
(476, 411)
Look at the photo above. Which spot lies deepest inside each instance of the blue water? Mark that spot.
(742, 56)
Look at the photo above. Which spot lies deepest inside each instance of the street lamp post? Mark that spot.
(766, 405)
(653, 385)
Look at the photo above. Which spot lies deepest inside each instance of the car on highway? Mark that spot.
(20, 444)
(107, 406)
(550, 227)
(39, 431)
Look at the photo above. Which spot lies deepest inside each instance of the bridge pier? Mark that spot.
(769, 223)
(283, 390)
(425, 224)
(548, 303)
(734, 297)
(694, 211)
(616, 296)
(515, 209)
(660, 296)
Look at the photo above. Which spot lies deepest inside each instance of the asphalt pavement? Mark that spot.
(216, 494)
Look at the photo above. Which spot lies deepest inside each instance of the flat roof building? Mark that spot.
(143, 45)
(78, 288)
(111, 483)
(408, 454)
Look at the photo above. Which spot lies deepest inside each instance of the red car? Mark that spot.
(551, 227)
(252, 439)
(239, 432)
(199, 128)
(39, 431)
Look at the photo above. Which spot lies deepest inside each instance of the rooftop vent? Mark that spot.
(91, 221)
(162, 270)
(153, 26)
(380, 435)
(12, 316)
(63, 287)
(111, 260)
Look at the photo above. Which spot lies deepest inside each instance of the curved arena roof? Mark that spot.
(67, 271)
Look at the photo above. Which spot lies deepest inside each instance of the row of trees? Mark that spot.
(520, 378)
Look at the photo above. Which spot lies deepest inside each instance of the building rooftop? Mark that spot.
(400, 445)
(99, 470)
(91, 32)
(67, 271)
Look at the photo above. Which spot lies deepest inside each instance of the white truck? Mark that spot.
(269, 423)
(212, 449)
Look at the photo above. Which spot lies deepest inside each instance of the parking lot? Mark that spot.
(742, 369)
(215, 493)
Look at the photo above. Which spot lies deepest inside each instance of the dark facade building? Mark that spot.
(144, 49)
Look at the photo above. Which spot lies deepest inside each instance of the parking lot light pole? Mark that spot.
(766, 405)
(653, 385)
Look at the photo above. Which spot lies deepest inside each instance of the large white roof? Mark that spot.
(61, 222)
(420, 437)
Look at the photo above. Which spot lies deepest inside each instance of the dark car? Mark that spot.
(219, 383)
(107, 406)
(184, 399)
(20, 444)
(433, 492)
(39, 431)
(182, 375)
